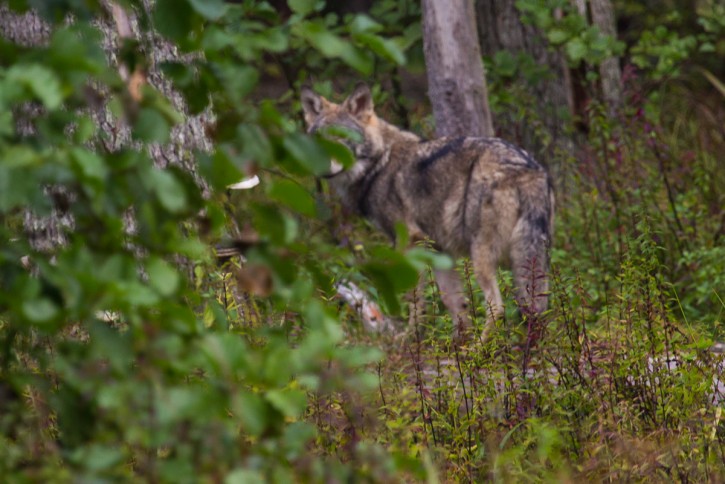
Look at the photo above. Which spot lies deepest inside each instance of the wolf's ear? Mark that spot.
(360, 102)
(312, 104)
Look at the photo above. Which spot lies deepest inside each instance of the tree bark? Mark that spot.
(28, 29)
(456, 80)
(602, 15)
(23, 29)
(459, 97)
(609, 70)
(44, 233)
(501, 29)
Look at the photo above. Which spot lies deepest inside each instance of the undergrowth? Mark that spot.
(621, 385)
(128, 354)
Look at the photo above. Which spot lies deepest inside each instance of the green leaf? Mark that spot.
(135, 294)
(255, 144)
(7, 123)
(40, 81)
(293, 196)
(333, 131)
(85, 130)
(237, 80)
(361, 356)
(226, 353)
(90, 165)
(273, 40)
(576, 50)
(218, 169)
(151, 127)
(174, 19)
(210, 9)
(331, 45)
(421, 258)
(303, 7)
(162, 276)
(111, 344)
(707, 47)
(296, 437)
(307, 153)
(505, 63)
(385, 48)
(363, 23)
(169, 191)
(337, 152)
(557, 36)
(379, 275)
(253, 412)
(320, 38)
(97, 457)
(270, 222)
(39, 310)
(392, 273)
(357, 59)
(16, 187)
(290, 403)
(164, 107)
(244, 476)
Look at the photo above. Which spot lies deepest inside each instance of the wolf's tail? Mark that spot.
(531, 243)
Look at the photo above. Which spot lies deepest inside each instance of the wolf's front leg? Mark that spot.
(453, 295)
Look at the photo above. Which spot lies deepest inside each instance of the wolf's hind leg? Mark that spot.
(454, 298)
(532, 286)
(485, 262)
(529, 264)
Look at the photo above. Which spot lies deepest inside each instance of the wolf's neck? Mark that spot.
(394, 135)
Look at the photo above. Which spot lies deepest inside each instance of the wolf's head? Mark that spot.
(356, 116)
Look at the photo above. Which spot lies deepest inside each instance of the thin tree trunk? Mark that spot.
(456, 80)
(601, 14)
(609, 70)
(459, 97)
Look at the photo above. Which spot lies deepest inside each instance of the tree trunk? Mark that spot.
(456, 80)
(602, 15)
(47, 233)
(501, 29)
(609, 70)
(459, 97)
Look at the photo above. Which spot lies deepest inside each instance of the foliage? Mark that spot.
(129, 354)
(673, 33)
(119, 358)
(569, 30)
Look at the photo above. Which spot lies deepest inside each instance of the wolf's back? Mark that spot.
(515, 195)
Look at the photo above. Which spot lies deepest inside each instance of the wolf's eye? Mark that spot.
(340, 132)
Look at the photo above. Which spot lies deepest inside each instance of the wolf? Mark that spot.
(481, 198)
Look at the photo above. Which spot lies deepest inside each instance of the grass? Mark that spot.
(629, 398)
(620, 387)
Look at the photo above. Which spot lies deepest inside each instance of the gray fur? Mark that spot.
(482, 198)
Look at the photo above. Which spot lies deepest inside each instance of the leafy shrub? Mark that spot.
(128, 353)
(186, 379)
